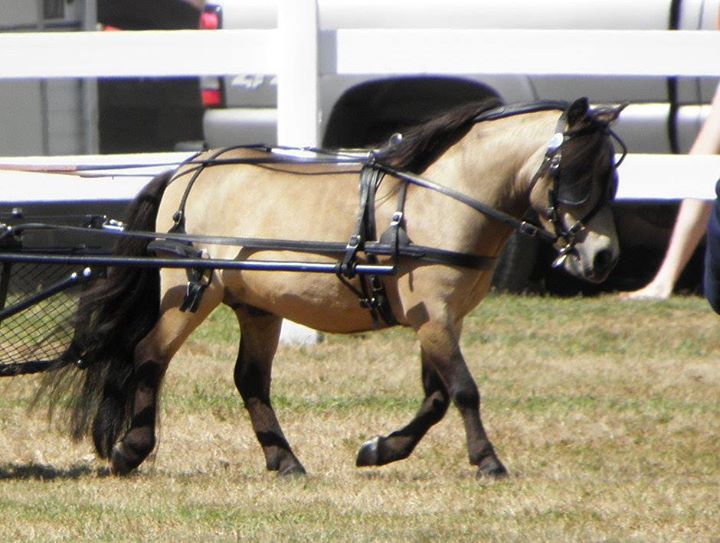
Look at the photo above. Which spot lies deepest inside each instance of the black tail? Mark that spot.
(113, 316)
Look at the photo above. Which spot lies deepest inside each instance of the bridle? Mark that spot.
(552, 165)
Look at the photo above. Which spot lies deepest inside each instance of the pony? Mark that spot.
(451, 191)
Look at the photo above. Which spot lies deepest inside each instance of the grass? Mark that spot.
(605, 412)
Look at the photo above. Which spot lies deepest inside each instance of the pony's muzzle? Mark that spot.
(593, 268)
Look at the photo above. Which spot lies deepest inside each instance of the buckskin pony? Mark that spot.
(446, 197)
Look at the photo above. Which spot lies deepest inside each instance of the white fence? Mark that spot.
(291, 52)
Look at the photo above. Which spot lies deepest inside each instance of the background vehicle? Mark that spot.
(87, 116)
(149, 114)
(664, 114)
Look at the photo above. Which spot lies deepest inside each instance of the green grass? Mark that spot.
(605, 412)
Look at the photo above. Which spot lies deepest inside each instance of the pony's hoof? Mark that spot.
(369, 453)
(293, 470)
(491, 467)
(119, 464)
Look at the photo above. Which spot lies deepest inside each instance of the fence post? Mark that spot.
(297, 102)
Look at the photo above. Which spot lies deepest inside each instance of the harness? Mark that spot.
(363, 244)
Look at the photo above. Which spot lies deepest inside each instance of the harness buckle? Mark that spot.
(576, 228)
(397, 218)
(346, 268)
(353, 242)
(6, 230)
(562, 255)
(528, 229)
(554, 166)
(113, 225)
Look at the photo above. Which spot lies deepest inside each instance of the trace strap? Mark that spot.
(372, 293)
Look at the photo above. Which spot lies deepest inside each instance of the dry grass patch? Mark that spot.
(606, 414)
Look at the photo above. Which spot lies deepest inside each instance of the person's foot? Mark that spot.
(647, 293)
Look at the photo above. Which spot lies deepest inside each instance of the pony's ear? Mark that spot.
(608, 114)
(577, 111)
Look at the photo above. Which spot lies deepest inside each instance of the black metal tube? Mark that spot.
(200, 263)
(65, 284)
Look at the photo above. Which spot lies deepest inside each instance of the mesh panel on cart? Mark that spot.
(44, 330)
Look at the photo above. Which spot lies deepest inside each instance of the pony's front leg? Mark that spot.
(260, 333)
(440, 343)
(398, 445)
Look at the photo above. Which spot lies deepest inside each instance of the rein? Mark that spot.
(523, 226)
(373, 159)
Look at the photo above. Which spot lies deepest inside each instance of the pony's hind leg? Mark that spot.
(398, 445)
(260, 333)
(152, 357)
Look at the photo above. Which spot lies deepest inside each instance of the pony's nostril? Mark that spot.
(603, 263)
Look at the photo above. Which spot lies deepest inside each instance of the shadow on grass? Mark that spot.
(44, 472)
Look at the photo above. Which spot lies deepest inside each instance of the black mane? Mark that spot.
(423, 144)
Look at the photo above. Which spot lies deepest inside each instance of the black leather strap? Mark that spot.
(365, 220)
(372, 293)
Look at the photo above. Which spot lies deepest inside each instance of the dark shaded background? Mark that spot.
(148, 114)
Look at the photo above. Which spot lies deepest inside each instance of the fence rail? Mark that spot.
(24, 180)
(170, 53)
(161, 53)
